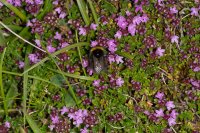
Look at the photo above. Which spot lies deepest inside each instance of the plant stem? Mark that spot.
(1, 83)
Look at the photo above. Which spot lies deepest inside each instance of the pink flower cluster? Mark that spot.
(115, 58)
(116, 81)
(171, 117)
(34, 58)
(99, 86)
(129, 24)
(78, 117)
(60, 12)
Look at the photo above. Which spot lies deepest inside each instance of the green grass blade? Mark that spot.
(2, 39)
(47, 7)
(15, 10)
(5, 26)
(21, 130)
(32, 124)
(82, 8)
(10, 111)
(12, 73)
(79, 53)
(11, 94)
(124, 54)
(23, 33)
(66, 80)
(93, 11)
(25, 80)
(56, 53)
(74, 75)
(1, 83)
(43, 80)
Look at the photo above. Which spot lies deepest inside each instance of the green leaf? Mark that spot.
(43, 80)
(32, 124)
(124, 54)
(82, 8)
(57, 79)
(69, 101)
(73, 75)
(11, 94)
(15, 10)
(109, 7)
(2, 39)
(93, 11)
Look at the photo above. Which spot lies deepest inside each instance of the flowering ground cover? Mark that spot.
(145, 76)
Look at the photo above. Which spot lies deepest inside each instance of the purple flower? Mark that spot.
(85, 63)
(196, 69)
(195, 83)
(29, 24)
(82, 31)
(90, 71)
(93, 26)
(58, 36)
(112, 45)
(29, 2)
(138, 8)
(170, 105)
(112, 49)
(1, 4)
(194, 11)
(146, 112)
(58, 10)
(174, 39)
(144, 18)
(137, 20)
(55, 2)
(38, 43)
(17, 2)
(196, 1)
(160, 52)
(128, 13)
(21, 64)
(119, 82)
(118, 59)
(93, 43)
(84, 130)
(51, 127)
(135, 1)
(39, 2)
(132, 29)
(33, 58)
(64, 44)
(159, 113)
(160, 2)
(121, 22)
(111, 58)
(7, 124)
(51, 49)
(159, 95)
(78, 116)
(173, 10)
(171, 121)
(62, 15)
(118, 34)
(64, 110)
(173, 114)
(54, 119)
(96, 83)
